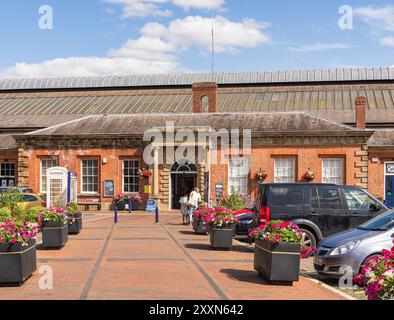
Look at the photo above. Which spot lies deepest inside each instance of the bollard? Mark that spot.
(157, 215)
(130, 206)
(116, 214)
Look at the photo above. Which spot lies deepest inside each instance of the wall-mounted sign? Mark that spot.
(109, 188)
(389, 168)
(219, 190)
(151, 205)
(148, 188)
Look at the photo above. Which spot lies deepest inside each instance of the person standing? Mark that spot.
(194, 201)
(184, 210)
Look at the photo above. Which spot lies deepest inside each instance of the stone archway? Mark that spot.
(183, 179)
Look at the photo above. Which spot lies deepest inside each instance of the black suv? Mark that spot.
(320, 210)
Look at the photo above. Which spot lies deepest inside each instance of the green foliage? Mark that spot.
(32, 214)
(235, 201)
(5, 214)
(11, 199)
(73, 206)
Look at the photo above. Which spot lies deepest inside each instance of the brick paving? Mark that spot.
(137, 259)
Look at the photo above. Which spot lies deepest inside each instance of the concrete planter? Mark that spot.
(76, 226)
(278, 263)
(221, 238)
(17, 262)
(54, 234)
(199, 227)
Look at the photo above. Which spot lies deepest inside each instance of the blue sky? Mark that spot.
(101, 37)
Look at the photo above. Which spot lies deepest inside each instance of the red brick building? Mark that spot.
(298, 121)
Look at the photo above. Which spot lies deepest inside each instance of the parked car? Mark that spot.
(30, 200)
(21, 189)
(320, 210)
(353, 247)
(244, 223)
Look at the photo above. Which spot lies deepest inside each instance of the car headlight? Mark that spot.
(345, 248)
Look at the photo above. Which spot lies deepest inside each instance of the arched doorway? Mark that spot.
(183, 180)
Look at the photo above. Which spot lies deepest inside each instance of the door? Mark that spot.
(360, 205)
(181, 184)
(323, 205)
(389, 195)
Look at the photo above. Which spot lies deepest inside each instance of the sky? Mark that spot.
(56, 38)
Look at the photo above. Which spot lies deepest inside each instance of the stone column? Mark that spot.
(23, 167)
(155, 172)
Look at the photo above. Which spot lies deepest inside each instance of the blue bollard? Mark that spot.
(130, 206)
(157, 215)
(116, 214)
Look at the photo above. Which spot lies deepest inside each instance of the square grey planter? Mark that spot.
(221, 238)
(54, 234)
(199, 227)
(277, 262)
(17, 262)
(76, 226)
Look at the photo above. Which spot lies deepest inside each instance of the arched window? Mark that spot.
(183, 166)
(204, 104)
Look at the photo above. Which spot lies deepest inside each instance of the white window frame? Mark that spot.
(281, 178)
(323, 178)
(98, 176)
(123, 176)
(47, 159)
(245, 175)
(8, 177)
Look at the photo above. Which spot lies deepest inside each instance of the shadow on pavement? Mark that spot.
(250, 276)
(203, 246)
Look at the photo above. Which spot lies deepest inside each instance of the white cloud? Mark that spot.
(155, 51)
(139, 56)
(320, 47)
(195, 31)
(142, 8)
(199, 4)
(380, 18)
(87, 66)
(387, 41)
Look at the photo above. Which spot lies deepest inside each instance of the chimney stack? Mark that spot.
(207, 90)
(360, 112)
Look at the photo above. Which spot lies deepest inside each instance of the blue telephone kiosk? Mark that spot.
(72, 187)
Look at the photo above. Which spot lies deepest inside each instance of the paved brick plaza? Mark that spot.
(137, 259)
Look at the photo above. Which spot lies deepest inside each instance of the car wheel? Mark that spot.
(310, 239)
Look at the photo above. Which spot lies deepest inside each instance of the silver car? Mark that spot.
(352, 247)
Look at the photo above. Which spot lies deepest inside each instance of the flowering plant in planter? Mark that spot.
(220, 218)
(144, 173)
(16, 232)
(308, 176)
(377, 276)
(135, 197)
(261, 175)
(119, 197)
(52, 215)
(278, 231)
(203, 211)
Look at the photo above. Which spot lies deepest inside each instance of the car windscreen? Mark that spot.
(382, 222)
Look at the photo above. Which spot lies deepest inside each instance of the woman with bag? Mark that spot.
(194, 201)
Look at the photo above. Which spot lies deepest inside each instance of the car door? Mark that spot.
(360, 206)
(323, 205)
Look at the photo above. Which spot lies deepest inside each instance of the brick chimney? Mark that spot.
(360, 112)
(201, 91)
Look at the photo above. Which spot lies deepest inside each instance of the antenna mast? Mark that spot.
(213, 42)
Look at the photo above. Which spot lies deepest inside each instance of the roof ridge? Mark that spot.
(59, 125)
(178, 79)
